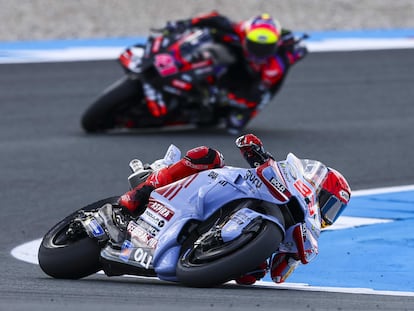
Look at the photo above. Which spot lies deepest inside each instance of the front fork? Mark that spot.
(102, 224)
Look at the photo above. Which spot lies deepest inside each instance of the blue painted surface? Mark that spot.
(362, 34)
(126, 41)
(375, 256)
(62, 44)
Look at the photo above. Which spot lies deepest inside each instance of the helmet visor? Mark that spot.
(259, 51)
(331, 210)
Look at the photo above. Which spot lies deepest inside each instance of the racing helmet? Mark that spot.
(333, 197)
(262, 34)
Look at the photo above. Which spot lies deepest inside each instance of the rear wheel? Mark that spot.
(211, 262)
(70, 257)
(115, 101)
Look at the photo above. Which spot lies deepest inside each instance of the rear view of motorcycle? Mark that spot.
(201, 231)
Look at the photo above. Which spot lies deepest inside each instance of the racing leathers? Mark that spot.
(246, 86)
(196, 160)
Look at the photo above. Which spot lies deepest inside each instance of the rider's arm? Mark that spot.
(212, 20)
(293, 51)
(195, 160)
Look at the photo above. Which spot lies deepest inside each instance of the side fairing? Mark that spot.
(304, 190)
(195, 197)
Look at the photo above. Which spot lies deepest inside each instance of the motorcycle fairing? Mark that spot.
(303, 177)
(197, 197)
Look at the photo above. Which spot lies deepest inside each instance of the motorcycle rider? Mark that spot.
(262, 53)
(333, 197)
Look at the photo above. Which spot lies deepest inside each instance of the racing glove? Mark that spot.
(282, 265)
(300, 51)
(251, 277)
(135, 200)
(251, 148)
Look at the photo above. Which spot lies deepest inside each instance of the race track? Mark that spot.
(352, 110)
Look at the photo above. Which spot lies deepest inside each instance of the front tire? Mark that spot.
(220, 264)
(67, 258)
(117, 98)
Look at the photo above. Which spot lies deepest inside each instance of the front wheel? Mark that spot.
(67, 257)
(210, 263)
(116, 100)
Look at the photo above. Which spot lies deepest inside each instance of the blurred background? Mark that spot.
(54, 19)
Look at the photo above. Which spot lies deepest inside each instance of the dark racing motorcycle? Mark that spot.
(170, 64)
(170, 70)
(202, 231)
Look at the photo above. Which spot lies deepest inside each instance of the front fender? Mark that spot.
(240, 221)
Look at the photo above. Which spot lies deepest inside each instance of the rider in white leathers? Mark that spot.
(300, 244)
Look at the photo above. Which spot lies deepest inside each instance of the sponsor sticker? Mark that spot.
(160, 209)
(253, 179)
(143, 257)
(126, 250)
(141, 235)
(96, 228)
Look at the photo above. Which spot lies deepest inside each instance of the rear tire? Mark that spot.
(64, 258)
(118, 97)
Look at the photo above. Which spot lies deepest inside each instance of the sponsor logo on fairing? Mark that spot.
(303, 189)
(153, 219)
(181, 84)
(143, 257)
(96, 228)
(202, 71)
(307, 194)
(126, 250)
(160, 209)
(139, 234)
(213, 175)
(157, 44)
(172, 90)
(278, 185)
(253, 179)
(187, 78)
(285, 174)
(271, 72)
(146, 226)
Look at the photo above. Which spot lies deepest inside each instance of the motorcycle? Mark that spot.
(201, 231)
(168, 70)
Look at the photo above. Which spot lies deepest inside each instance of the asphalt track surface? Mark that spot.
(352, 110)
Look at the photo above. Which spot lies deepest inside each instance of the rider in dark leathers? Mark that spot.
(262, 54)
